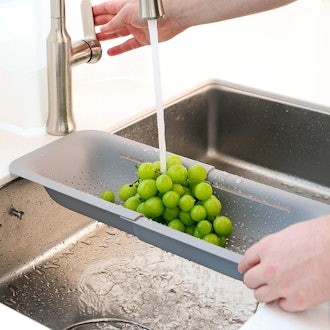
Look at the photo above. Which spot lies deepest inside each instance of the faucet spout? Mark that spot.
(151, 9)
(62, 55)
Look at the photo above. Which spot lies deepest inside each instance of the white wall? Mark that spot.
(285, 51)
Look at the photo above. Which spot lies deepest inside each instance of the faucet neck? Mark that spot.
(57, 8)
(62, 55)
(151, 9)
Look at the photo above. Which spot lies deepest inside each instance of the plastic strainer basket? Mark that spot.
(77, 168)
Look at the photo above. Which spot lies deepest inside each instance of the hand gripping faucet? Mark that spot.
(62, 55)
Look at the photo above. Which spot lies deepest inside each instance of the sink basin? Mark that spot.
(61, 268)
(267, 159)
(267, 138)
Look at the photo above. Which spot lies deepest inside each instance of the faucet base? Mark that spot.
(60, 127)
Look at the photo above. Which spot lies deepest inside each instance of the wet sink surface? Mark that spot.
(103, 272)
(80, 269)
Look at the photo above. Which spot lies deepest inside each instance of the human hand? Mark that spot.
(291, 266)
(120, 18)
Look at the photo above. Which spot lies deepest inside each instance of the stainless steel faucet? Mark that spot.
(62, 55)
(151, 9)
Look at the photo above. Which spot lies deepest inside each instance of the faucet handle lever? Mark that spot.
(89, 31)
(88, 20)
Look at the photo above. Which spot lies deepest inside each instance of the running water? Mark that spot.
(153, 31)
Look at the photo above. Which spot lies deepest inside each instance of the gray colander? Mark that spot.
(75, 169)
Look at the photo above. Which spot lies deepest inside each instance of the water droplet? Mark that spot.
(51, 265)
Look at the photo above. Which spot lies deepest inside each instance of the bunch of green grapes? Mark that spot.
(181, 199)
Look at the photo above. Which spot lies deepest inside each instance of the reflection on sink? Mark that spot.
(67, 268)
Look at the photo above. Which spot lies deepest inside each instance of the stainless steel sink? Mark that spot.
(59, 267)
(270, 139)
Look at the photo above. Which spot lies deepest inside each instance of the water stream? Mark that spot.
(153, 31)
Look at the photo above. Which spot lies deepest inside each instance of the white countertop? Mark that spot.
(285, 52)
(271, 317)
(12, 320)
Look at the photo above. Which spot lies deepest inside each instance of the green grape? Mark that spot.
(173, 160)
(142, 209)
(146, 171)
(186, 202)
(177, 224)
(190, 229)
(147, 188)
(108, 196)
(184, 216)
(171, 213)
(198, 213)
(132, 203)
(178, 173)
(222, 226)
(212, 238)
(164, 183)
(187, 190)
(178, 188)
(154, 207)
(180, 198)
(126, 191)
(212, 206)
(156, 166)
(196, 233)
(196, 173)
(203, 191)
(204, 227)
(222, 241)
(171, 199)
